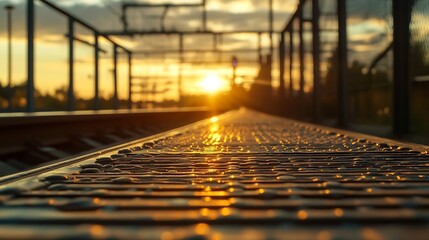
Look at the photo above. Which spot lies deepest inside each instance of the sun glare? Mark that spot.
(211, 84)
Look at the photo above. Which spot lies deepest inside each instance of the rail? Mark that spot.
(38, 138)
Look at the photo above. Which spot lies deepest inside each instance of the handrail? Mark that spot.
(71, 40)
(83, 23)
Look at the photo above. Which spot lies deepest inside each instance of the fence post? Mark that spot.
(301, 63)
(130, 77)
(316, 61)
(96, 72)
(180, 69)
(343, 101)
(30, 56)
(115, 77)
(401, 68)
(291, 49)
(70, 93)
(282, 70)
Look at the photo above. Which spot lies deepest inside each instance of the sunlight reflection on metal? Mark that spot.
(202, 229)
(302, 215)
(214, 127)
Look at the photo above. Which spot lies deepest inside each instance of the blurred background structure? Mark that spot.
(356, 64)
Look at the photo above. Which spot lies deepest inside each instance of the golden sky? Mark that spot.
(52, 55)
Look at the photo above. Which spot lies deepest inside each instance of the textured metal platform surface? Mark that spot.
(240, 175)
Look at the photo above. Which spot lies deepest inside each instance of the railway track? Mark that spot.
(242, 174)
(31, 140)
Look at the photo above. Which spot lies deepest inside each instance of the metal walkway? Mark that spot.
(243, 174)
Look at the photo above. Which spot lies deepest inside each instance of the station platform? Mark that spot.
(239, 175)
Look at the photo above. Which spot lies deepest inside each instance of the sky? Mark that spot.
(369, 33)
(51, 45)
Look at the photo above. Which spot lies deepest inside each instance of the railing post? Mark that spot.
(130, 78)
(260, 48)
(301, 62)
(180, 69)
(70, 93)
(30, 56)
(316, 61)
(271, 21)
(204, 15)
(282, 69)
(291, 49)
(96, 72)
(343, 96)
(115, 77)
(401, 68)
(9, 9)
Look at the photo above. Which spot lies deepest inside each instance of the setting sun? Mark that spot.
(212, 84)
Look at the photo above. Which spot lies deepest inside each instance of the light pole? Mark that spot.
(9, 9)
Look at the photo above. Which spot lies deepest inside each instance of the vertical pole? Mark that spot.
(271, 20)
(30, 56)
(130, 77)
(301, 61)
(234, 71)
(115, 77)
(70, 93)
(282, 68)
(96, 72)
(220, 42)
(124, 18)
(215, 42)
(316, 61)
(401, 68)
(204, 16)
(343, 102)
(9, 9)
(260, 48)
(180, 69)
(291, 49)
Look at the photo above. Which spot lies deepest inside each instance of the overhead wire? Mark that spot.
(110, 8)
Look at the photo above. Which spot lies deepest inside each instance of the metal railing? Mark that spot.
(294, 45)
(72, 20)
